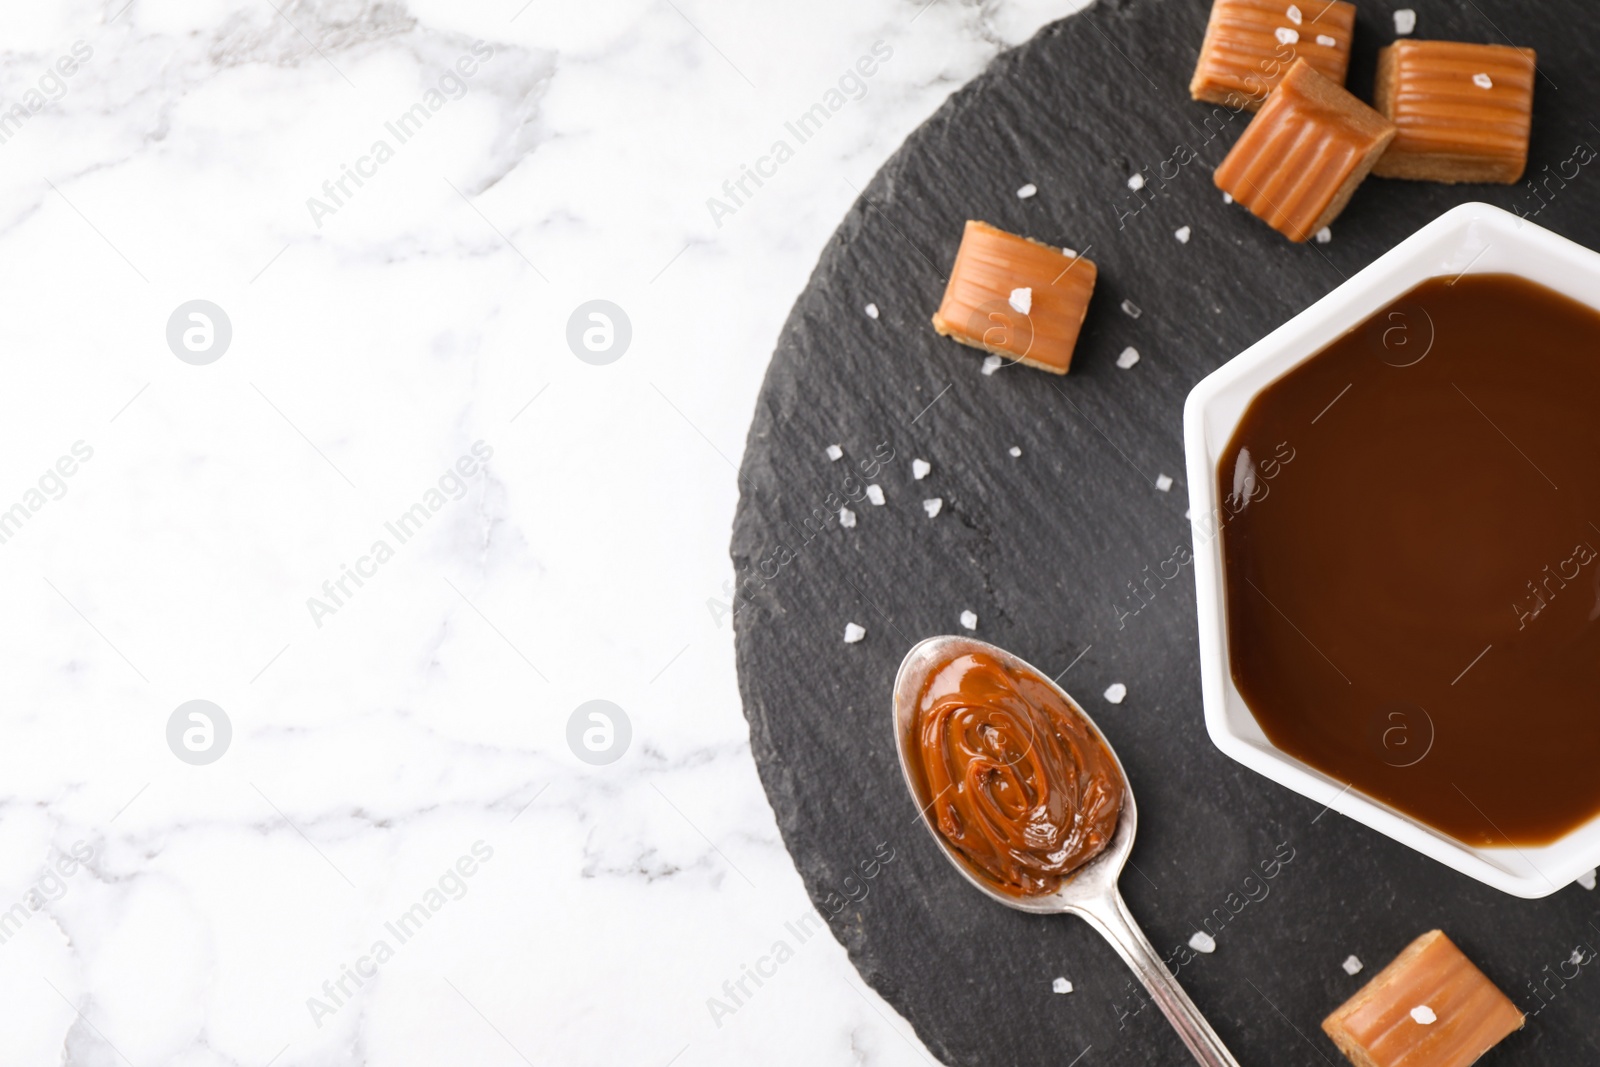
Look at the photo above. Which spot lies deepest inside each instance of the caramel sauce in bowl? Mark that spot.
(1456, 706)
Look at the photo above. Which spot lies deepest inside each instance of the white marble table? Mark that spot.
(397, 531)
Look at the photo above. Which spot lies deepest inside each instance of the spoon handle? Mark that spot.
(1116, 924)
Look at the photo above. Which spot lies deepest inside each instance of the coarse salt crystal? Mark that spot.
(1128, 358)
(1483, 81)
(835, 453)
(1116, 693)
(875, 494)
(1182, 234)
(1073, 252)
(1576, 959)
(1285, 35)
(1061, 985)
(872, 311)
(847, 518)
(1294, 15)
(1203, 942)
(1136, 182)
(1587, 879)
(1324, 235)
(1424, 1015)
(1016, 453)
(969, 620)
(1405, 20)
(1021, 300)
(1351, 965)
(991, 364)
(1163, 482)
(933, 505)
(1130, 309)
(1325, 41)
(1027, 191)
(920, 469)
(853, 633)
(1227, 198)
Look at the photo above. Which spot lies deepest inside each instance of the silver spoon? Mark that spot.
(1091, 891)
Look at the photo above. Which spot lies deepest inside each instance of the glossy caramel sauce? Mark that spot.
(1413, 598)
(1020, 782)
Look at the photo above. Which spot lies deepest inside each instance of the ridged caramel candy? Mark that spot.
(1302, 156)
(1387, 1024)
(990, 267)
(1463, 111)
(1250, 45)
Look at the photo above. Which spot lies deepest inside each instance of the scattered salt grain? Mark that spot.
(1163, 482)
(920, 469)
(1203, 942)
(1073, 252)
(1061, 985)
(847, 518)
(1483, 81)
(875, 494)
(853, 633)
(1128, 358)
(1294, 15)
(991, 364)
(1227, 198)
(969, 620)
(1286, 36)
(1324, 235)
(1016, 453)
(835, 453)
(932, 506)
(1027, 191)
(1576, 959)
(1424, 1015)
(1182, 234)
(1021, 300)
(872, 311)
(1325, 41)
(1130, 309)
(1136, 182)
(1587, 879)
(1405, 20)
(1351, 965)
(1116, 693)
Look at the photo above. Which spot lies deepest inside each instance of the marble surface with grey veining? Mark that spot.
(395, 500)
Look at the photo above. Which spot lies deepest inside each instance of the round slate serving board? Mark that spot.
(1047, 547)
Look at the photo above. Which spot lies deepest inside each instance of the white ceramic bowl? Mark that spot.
(1472, 238)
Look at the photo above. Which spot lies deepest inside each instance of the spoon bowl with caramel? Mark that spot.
(1027, 799)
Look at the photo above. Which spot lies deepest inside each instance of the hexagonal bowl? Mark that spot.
(1472, 238)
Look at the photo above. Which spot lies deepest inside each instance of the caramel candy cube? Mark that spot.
(1429, 1008)
(1016, 297)
(1304, 153)
(1463, 111)
(1250, 45)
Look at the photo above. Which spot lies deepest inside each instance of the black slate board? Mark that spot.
(1043, 547)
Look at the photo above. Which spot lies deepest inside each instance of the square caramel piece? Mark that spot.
(1016, 298)
(1462, 111)
(1250, 45)
(1429, 1008)
(1302, 156)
